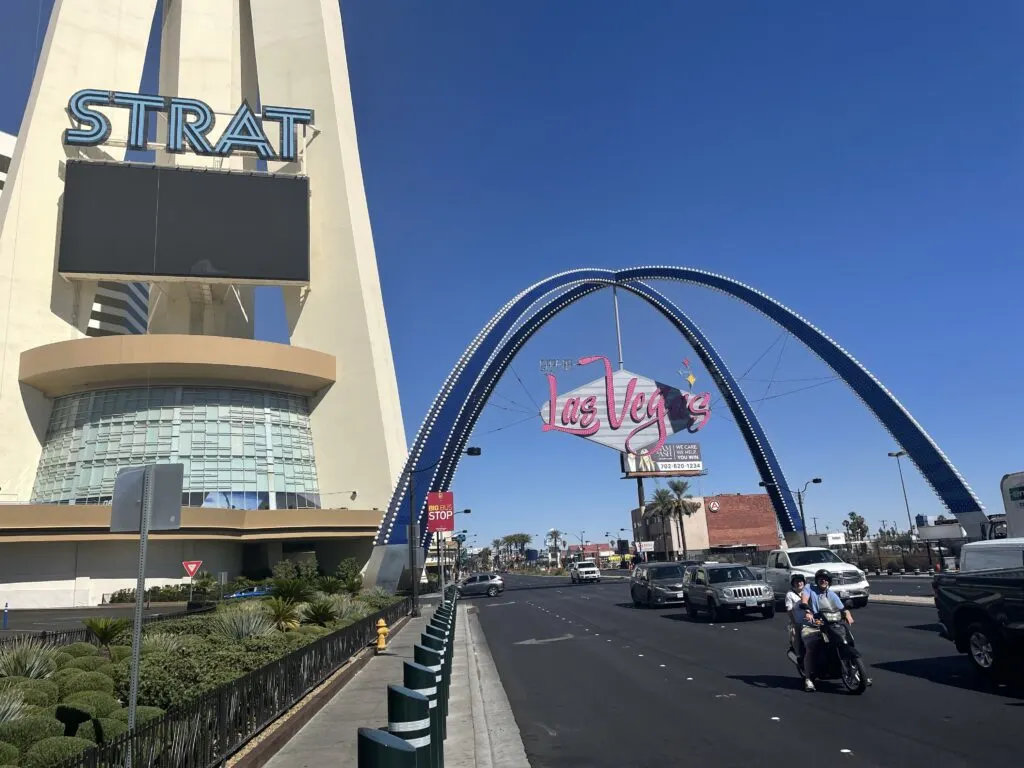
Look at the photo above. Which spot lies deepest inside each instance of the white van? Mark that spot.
(997, 554)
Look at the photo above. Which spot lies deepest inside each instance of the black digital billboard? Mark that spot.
(143, 222)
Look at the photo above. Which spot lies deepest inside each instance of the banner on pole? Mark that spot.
(440, 511)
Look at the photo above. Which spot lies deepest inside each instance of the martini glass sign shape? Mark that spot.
(623, 410)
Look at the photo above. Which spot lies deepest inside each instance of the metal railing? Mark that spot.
(84, 634)
(208, 730)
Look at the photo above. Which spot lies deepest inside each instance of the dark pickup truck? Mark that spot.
(982, 612)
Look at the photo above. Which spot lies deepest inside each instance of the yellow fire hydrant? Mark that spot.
(382, 636)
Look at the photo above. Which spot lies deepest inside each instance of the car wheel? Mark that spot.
(492, 591)
(769, 612)
(983, 648)
(861, 603)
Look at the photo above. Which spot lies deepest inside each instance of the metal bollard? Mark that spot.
(446, 651)
(420, 679)
(434, 644)
(409, 719)
(431, 659)
(379, 749)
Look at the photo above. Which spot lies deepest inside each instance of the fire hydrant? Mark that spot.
(382, 636)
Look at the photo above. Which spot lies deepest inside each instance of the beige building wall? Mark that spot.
(359, 437)
(667, 535)
(88, 44)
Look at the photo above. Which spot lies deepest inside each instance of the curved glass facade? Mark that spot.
(242, 449)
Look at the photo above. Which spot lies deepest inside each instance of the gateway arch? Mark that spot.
(445, 430)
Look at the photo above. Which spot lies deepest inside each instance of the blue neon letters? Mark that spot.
(188, 123)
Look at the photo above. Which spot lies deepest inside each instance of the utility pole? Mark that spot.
(815, 525)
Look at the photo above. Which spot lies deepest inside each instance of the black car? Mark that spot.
(657, 584)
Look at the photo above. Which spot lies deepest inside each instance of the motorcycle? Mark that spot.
(837, 654)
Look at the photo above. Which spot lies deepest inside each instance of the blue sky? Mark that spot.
(861, 162)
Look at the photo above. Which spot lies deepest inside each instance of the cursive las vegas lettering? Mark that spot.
(640, 410)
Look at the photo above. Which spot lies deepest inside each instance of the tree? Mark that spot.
(856, 527)
(485, 558)
(674, 503)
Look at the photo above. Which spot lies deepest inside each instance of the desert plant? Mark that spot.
(105, 630)
(54, 751)
(320, 612)
(330, 585)
(27, 657)
(349, 610)
(377, 598)
(8, 754)
(291, 589)
(353, 584)
(161, 642)
(12, 705)
(26, 731)
(243, 621)
(284, 613)
(86, 682)
(101, 730)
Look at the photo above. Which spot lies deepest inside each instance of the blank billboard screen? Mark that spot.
(145, 221)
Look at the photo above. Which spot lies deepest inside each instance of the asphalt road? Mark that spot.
(594, 682)
(72, 618)
(913, 586)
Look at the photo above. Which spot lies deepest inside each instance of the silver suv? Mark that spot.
(726, 589)
(490, 584)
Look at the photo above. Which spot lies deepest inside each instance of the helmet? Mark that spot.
(823, 574)
(795, 578)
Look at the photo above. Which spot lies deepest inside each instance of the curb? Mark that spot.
(273, 738)
(923, 602)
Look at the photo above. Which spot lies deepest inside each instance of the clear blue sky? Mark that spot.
(861, 162)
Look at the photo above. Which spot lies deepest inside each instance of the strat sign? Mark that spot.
(188, 123)
(624, 411)
(440, 511)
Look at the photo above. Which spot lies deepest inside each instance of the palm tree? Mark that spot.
(555, 537)
(659, 508)
(674, 503)
(485, 558)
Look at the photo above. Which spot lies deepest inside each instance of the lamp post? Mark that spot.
(414, 530)
(799, 500)
(928, 547)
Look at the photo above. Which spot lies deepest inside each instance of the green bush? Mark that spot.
(39, 693)
(83, 707)
(312, 630)
(54, 751)
(192, 625)
(86, 663)
(81, 649)
(10, 683)
(102, 730)
(160, 642)
(119, 652)
(62, 658)
(87, 681)
(48, 711)
(293, 590)
(27, 731)
(378, 599)
(27, 657)
(242, 621)
(142, 714)
(320, 612)
(8, 753)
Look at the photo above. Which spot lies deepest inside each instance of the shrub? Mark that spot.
(293, 590)
(353, 584)
(348, 568)
(377, 598)
(39, 693)
(54, 751)
(350, 610)
(81, 649)
(320, 612)
(102, 730)
(162, 642)
(285, 570)
(95, 704)
(7, 683)
(12, 706)
(240, 622)
(142, 714)
(62, 658)
(8, 754)
(87, 681)
(330, 585)
(27, 657)
(27, 731)
(118, 652)
(63, 674)
(313, 631)
(87, 663)
(283, 613)
(308, 569)
(198, 626)
(32, 710)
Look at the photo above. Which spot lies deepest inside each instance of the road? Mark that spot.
(594, 682)
(914, 586)
(50, 620)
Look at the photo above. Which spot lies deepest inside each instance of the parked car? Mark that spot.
(726, 589)
(250, 592)
(848, 581)
(657, 584)
(982, 613)
(584, 570)
(490, 584)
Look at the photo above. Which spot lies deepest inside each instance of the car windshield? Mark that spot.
(586, 565)
(814, 557)
(739, 573)
(668, 573)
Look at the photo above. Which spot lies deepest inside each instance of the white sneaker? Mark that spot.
(808, 685)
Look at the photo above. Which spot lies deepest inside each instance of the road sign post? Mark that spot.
(440, 518)
(191, 569)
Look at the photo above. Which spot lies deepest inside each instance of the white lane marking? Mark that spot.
(495, 605)
(640, 655)
(662, 666)
(535, 641)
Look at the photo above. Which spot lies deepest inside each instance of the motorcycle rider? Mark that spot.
(795, 612)
(817, 596)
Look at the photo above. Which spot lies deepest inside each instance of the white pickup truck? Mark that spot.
(848, 581)
(584, 570)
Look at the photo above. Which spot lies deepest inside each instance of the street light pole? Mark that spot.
(799, 501)
(897, 455)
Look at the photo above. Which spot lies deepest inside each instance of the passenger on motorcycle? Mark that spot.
(793, 601)
(817, 597)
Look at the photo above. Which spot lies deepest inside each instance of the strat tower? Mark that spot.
(134, 230)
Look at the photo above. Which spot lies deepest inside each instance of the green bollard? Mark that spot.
(409, 719)
(431, 659)
(420, 679)
(446, 652)
(435, 644)
(379, 749)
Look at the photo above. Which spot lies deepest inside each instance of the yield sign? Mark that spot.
(191, 567)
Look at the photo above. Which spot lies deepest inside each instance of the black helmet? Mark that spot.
(823, 574)
(795, 578)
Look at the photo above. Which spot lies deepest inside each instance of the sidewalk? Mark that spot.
(480, 721)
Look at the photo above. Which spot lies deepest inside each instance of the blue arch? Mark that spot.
(435, 449)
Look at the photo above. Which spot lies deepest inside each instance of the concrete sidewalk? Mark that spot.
(480, 721)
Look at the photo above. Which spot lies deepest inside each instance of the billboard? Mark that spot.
(624, 410)
(671, 460)
(140, 222)
(440, 511)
